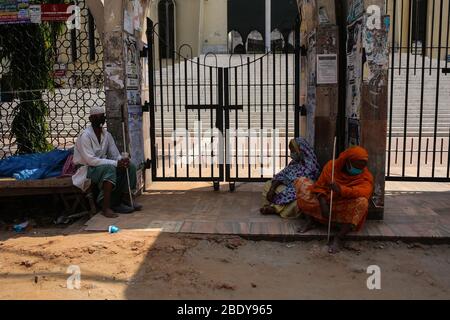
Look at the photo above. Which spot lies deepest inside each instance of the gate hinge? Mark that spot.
(144, 52)
(146, 107)
(148, 164)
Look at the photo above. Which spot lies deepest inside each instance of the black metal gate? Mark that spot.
(221, 117)
(419, 91)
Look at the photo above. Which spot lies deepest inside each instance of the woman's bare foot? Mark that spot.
(308, 225)
(267, 210)
(108, 213)
(335, 246)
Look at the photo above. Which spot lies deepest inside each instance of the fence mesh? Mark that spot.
(50, 75)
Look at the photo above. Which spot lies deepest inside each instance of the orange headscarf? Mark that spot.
(351, 186)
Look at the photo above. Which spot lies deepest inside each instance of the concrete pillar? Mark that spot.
(118, 29)
(367, 78)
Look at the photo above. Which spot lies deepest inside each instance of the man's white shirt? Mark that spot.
(89, 152)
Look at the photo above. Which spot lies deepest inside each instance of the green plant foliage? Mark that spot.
(29, 52)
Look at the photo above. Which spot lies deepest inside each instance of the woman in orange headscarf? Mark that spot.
(352, 187)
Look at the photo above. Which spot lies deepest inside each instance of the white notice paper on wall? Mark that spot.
(327, 70)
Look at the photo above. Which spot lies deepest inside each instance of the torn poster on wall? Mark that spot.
(311, 88)
(354, 69)
(353, 132)
(135, 134)
(376, 63)
(327, 71)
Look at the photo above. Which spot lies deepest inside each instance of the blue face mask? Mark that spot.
(353, 171)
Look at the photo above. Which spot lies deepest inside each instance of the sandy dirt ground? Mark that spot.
(152, 265)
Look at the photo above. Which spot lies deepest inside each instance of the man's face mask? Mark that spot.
(352, 170)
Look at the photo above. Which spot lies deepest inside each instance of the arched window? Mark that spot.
(166, 29)
(255, 42)
(276, 41)
(235, 42)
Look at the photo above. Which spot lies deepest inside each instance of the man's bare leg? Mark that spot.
(106, 209)
(338, 239)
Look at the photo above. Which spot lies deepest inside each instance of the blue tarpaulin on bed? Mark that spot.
(35, 165)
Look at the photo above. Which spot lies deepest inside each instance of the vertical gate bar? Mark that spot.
(219, 121)
(416, 11)
(286, 68)
(236, 101)
(391, 102)
(241, 86)
(186, 116)
(401, 40)
(192, 85)
(174, 114)
(408, 56)
(261, 123)
(153, 140)
(442, 149)
(180, 99)
(152, 94)
(297, 78)
(432, 36)
(161, 90)
(396, 150)
(274, 110)
(426, 151)
(227, 121)
(422, 91)
(199, 119)
(437, 87)
(448, 37)
(211, 119)
(248, 116)
(168, 147)
(412, 151)
(448, 152)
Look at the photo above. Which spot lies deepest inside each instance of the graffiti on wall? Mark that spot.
(354, 68)
(376, 59)
(356, 9)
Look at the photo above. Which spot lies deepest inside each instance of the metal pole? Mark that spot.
(268, 25)
(331, 197)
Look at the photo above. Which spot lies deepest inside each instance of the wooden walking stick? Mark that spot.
(125, 152)
(331, 196)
